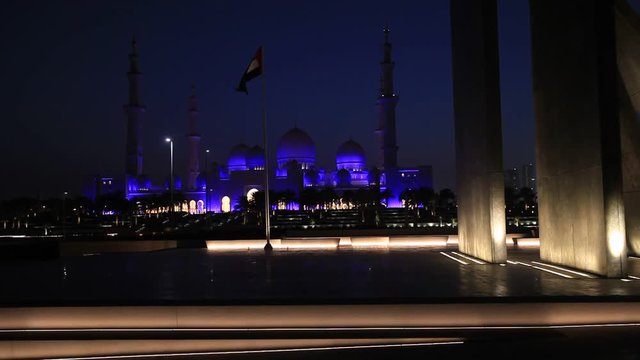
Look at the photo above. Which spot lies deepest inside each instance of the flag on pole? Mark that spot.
(253, 71)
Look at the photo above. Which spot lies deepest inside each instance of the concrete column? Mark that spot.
(630, 142)
(478, 129)
(628, 58)
(581, 210)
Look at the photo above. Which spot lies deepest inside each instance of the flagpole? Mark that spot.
(267, 206)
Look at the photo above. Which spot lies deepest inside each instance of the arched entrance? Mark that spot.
(225, 205)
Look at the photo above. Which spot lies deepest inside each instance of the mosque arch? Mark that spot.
(225, 204)
(251, 193)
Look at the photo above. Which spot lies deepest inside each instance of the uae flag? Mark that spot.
(253, 71)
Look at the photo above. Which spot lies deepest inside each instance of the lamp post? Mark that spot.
(206, 179)
(171, 175)
(64, 214)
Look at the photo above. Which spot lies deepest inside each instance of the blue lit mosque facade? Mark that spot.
(220, 187)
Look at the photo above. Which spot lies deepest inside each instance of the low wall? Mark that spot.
(78, 248)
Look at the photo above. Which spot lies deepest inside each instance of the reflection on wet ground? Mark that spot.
(199, 276)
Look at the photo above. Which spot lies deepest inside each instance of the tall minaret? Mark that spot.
(135, 112)
(193, 138)
(386, 105)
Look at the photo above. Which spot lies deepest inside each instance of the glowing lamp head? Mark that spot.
(167, 139)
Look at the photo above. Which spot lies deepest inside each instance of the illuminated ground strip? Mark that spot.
(332, 243)
(565, 269)
(452, 258)
(334, 329)
(540, 268)
(470, 258)
(350, 242)
(527, 243)
(233, 352)
(29, 236)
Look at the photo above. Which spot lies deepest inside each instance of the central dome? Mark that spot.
(296, 145)
(350, 156)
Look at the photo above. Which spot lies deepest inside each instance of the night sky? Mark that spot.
(63, 68)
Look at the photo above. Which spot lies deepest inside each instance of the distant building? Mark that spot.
(518, 178)
(512, 178)
(220, 187)
(528, 176)
(98, 186)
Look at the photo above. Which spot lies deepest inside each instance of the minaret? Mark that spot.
(386, 105)
(193, 138)
(135, 112)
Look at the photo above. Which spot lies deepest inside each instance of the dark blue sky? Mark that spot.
(63, 82)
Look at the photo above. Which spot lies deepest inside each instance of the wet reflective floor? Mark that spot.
(198, 276)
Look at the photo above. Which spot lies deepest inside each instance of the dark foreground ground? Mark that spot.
(622, 344)
(198, 276)
(595, 345)
(344, 276)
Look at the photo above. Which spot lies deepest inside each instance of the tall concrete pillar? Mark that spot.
(581, 210)
(630, 143)
(628, 58)
(478, 129)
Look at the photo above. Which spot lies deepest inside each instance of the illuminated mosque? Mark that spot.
(221, 188)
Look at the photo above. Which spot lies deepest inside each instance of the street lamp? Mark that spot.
(64, 214)
(171, 174)
(206, 179)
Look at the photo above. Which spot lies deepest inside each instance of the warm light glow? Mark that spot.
(225, 245)
(311, 243)
(251, 193)
(418, 243)
(303, 246)
(498, 232)
(267, 351)
(327, 329)
(278, 244)
(321, 319)
(226, 204)
(528, 242)
(616, 243)
(369, 241)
